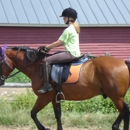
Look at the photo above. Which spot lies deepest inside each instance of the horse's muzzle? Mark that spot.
(2, 80)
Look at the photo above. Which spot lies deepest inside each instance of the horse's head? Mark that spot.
(20, 57)
(6, 65)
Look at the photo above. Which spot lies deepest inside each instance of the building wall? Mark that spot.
(95, 40)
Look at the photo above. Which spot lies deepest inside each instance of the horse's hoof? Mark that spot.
(48, 129)
(115, 129)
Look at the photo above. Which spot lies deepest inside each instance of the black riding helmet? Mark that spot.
(69, 12)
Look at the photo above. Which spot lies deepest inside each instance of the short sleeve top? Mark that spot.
(71, 40)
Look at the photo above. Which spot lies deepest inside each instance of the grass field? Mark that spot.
(92, 114)
(16, 115)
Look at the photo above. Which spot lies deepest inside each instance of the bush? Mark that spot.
(96, 104)
(91, 105)
(23, 101)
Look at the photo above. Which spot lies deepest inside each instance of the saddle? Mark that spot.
(61, 72)
(65, 73)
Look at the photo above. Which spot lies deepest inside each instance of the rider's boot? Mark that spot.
(47, 86)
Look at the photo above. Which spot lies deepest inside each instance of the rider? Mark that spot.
(69, 39)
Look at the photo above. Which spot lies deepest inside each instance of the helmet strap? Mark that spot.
(69, 21)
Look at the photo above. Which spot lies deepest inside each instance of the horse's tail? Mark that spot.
(128, 65)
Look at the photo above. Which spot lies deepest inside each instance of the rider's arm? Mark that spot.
(62, 39)
(55, 44)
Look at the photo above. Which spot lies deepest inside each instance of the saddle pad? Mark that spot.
(74, 76)
(81, 61)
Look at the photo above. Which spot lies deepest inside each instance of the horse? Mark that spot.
(103, 75)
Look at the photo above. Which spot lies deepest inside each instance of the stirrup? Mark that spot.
(60, 101)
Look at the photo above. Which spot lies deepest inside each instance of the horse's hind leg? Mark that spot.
(40, 104)
(57, 111)
(126, 114)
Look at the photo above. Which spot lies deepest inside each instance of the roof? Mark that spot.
(47, 12)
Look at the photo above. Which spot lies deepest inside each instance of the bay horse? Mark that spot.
(102, 75)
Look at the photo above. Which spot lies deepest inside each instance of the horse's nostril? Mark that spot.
(2, 82)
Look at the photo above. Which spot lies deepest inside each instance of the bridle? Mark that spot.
(2, 77)
(3, 60)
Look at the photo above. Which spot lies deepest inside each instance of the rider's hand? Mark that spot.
(44, 50)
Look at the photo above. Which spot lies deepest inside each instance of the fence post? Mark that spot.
(107, 54)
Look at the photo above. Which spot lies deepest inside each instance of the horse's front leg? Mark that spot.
(116, 124)
(57, 111)
(40, 104)
(126, 114)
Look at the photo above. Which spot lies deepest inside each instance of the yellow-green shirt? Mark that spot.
(71, 40)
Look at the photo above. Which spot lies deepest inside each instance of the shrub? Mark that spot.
(96, 104)
(23, 100)
(91, 105)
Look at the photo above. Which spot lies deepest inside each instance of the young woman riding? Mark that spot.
(69, 39)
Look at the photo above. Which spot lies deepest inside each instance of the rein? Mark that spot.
(22, 48)
(23, 68)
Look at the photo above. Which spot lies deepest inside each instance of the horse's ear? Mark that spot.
(0, 48)
(4, 48)
(0, 51)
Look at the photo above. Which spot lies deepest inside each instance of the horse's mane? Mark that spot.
(20, 48)
(30, 53)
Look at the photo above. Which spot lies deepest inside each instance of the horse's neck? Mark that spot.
(19, 62)
(25, 68)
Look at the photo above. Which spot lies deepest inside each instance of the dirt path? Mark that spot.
(8, 92)
(26, 128)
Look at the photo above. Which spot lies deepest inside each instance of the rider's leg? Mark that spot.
(62, 57)
(47, 86)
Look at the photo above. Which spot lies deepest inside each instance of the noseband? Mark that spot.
(2, 77)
